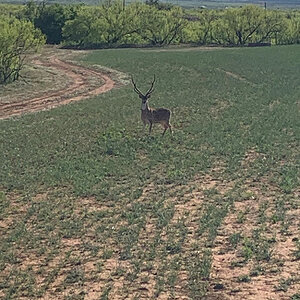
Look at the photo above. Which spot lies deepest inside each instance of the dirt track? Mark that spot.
(79, 89)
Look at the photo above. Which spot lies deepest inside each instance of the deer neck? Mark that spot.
(145, 107)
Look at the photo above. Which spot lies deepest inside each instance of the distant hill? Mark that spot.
(188, 3)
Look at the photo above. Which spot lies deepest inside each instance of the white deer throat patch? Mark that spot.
(144, 106)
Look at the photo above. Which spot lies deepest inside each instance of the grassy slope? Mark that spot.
(95, 149)
(55, 148)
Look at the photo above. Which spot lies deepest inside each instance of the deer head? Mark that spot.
(143, 97)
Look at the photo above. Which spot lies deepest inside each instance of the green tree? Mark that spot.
(17, 39)
(272, 24)
(9, 9)
(52, 18)
(112, 24)
(200, 26)
(118, 22)
(237, 26)
(161, 27)
(290, 29)
(109, 24)
(83, 30)
(30, 11)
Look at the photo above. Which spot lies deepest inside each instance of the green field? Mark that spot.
(92, 207)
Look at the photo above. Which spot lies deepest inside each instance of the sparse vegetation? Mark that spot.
(89, 203)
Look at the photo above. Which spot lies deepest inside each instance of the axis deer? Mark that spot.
(152, 115)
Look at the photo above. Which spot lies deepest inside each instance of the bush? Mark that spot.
(17, 39)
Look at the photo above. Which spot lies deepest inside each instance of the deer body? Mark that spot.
(153, 115)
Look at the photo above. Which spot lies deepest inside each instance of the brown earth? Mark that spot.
(277, 278)
(79, 87)
(110, 273)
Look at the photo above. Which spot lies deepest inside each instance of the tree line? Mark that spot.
(152, 23)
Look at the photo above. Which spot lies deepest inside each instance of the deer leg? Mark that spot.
(166, 127)
(170, 127)
(150, 128)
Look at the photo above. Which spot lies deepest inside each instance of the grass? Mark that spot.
(88, 200)
(81, 152)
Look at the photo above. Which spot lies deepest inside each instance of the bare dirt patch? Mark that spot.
(180, 232)
(79, 82)
(165, 260)
(253, 254)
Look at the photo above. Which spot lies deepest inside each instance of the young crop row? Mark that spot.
(91, 206)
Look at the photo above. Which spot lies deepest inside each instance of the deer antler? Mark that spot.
(151, 88)
(135, 87)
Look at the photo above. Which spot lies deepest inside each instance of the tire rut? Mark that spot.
(79, 89)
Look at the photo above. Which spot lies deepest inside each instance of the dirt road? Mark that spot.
(79, 88)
